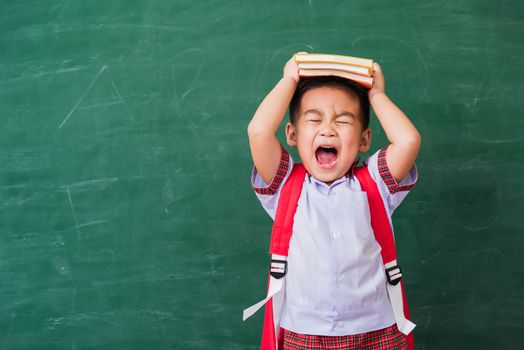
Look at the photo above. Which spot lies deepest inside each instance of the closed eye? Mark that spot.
(345, 118)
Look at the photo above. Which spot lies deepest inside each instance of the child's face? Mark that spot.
(328, 132)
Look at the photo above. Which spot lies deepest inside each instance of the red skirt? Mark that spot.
(384, 339)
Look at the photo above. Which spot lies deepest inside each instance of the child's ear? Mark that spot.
(365, 141)
(291, 135)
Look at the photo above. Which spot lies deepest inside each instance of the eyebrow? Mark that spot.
(342, 114)
(346, 113)
(313, 111)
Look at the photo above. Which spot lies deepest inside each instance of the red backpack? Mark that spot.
(281, 236)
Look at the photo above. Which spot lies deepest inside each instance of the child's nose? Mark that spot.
(327, 130)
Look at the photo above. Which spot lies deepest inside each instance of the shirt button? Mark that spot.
(332, 193)
(335, 235)
(340, 324)
(340, 280)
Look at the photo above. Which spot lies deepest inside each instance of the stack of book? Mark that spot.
(359, 70)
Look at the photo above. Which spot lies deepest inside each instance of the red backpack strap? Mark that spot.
(287, 206)
(384, 236)
(379, 217)
(272, 338)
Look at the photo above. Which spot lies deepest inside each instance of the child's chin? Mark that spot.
(326, 175)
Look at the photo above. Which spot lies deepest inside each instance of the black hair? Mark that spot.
(306, 84)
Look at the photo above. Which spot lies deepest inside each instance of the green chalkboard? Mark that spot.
(127, 220)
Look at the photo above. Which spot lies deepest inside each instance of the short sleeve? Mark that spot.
(268, 194)
(392, 192)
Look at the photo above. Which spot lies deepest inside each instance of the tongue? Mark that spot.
(325, 157)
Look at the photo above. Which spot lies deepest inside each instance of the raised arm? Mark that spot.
(265, 147)
(401, 133)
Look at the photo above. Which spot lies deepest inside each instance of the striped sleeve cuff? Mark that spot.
(272, 188)
(389, 180)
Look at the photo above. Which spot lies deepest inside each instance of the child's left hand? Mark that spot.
(379, 83)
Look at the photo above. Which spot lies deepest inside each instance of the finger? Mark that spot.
(295, 55)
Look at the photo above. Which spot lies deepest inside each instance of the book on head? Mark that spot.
(356, 69)
(366, 82)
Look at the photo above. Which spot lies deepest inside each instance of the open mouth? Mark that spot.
(326, 156)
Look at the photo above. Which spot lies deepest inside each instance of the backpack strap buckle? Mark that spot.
(393, 273)
(278, 268)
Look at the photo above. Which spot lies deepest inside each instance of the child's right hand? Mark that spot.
(291, 69)
(379, 82)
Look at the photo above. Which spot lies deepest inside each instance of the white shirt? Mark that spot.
(335, 284)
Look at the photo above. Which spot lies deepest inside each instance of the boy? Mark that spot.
(335, 288)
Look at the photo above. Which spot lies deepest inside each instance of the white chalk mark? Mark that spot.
(193, 81)
(192, 49)
(200, 65)
(153, 176)
(486, 251)
(82, 97)
(102, 133)
(90, 182)
(115, 89)
(120, 96)
(286, 48)
(188, 92)
(504, 141)
(375, 37)
(91, 223)
(428, 322)
(73, 303)
(40, 74)
(175, 93)
(423, 60)
(160, 27)
(254, 86)
(74, 213)
(101, 105)
(476, 229)
(16, 201)
(479, 92)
